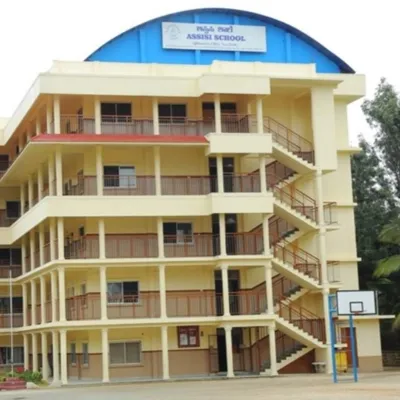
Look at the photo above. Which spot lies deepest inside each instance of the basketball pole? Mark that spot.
(353, 348)
(333, 337)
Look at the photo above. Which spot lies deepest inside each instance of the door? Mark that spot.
(228, 170)
(221, 345)
(233, 287)
(231, 237)
(227, 109)
(345, 335)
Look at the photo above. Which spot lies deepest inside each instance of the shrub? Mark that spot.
(32, 376)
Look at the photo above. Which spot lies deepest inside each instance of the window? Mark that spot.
(188, 336)
(125, 353)
(13, 209)
(116, 112)
(73, 353)
(178, 232)
(123, 177)
(10, 257)
(85, 354)
(5, 305)
(175, 113)
(4, 163)
(5, 355)
(123, 292)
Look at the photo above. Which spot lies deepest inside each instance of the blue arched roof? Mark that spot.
(285, 44)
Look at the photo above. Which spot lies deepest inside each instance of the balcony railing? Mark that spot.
(129, 185)
(244, 243)
(191, 304)
(6, 219)
(16, 319)
(131, 246)
(85, 247)
(5, 268)
(196, 245)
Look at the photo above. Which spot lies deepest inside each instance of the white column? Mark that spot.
(102, 238)
(48, 116)
(38, 129)
(156, 120)
(103, 292)
(222, 234)
(32, 248)
(60, 238)
(56, 363)
(26, 351)
(220, 173)
(162, 285)
(97, 115)
(59, 177)
(23, 256)
(272, 350)
(42, 300)
(25, 304)
(160, 237)
(40, 182)
(33, 302)
(41, 244)
(229, 353)
(269, 288)
(57, 115)
(165, 355)
(217, 111)
(54, 296)
(260, 117)
(45, 364)
(35, 358)
(99, 171)
(30, 191)
(22, 198)
(225, 289)
(266, 244)
(52, 239)
(51, 175)
(61, 293)
(157, 170)
(263, 174)
(63, 353)
(105, 355)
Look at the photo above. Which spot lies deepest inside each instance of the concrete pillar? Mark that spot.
(35, 358)
(56, 362)
(165, 355)
(60, 237)
(45, 363)
(160, 237)
(225, 289)
(272, 350)
(220, 173)
(99, 171)
(97, 115)
(229, 352)
(263, 173)
(40, 182)
(163, 294)
(63, 353)
(52, 239)
(41, 244)
(23, 256)
(105, 355)
(260, 116)
(26, 351)
(22, 198)
(33, 302)
(266, 244)
(32, 248)
(57, 115)
(30, 191)
(269, 288)
(217, 111)
(51, 175)
(102, 238)
(25, 304)
(48, 117)
(157, 170)
(59, 174)
(103, 292)
(222, 234)
(156, 120)
(61, 293)
(42, 300)
(54, 296)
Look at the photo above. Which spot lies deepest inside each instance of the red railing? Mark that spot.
(283, 288)
(85, 247)
(187, 185)
(16, 270)
(290, 140)
(299, 259)
(16, 319)
(244, 243)
(85, 186)
(120, 125)
(195, 245)
(237, 123)
(279, 229)
(115, 185)
(243, 183)
(132, 246)
(277, 172)
(182, 126)
(195, 304)
(247, 302)
(76, 124)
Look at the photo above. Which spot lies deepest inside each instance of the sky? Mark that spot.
(33, 33)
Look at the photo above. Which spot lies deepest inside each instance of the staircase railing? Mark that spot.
(279, 229)
(290, 140)
(283, 288)
(279, 171)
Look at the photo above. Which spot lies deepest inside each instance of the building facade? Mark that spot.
(180, 204)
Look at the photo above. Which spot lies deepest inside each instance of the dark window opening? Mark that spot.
(116, 112)
(172, 113)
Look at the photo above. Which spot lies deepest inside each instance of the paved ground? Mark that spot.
(384, 386)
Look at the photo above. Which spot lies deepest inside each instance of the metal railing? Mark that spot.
(191, 304)
(244, 243)
(132, 245)
(7, 220)
(279, 229)
(195, 245)
(85, 247)
(76, 124)
(123, 125)
(188, 185)
(115, 185)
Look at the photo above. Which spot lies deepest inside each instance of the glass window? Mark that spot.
(116, 112)
(175, 113)
(188, 336)
(5, 355)
(178, 232)
(123, 292)
(73, 353)
(13, 209)
(119, 176)
(85, 354)
(125, 353)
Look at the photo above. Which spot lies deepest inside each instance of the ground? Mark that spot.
(299, 387)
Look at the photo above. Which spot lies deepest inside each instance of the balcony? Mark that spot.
(8, 321)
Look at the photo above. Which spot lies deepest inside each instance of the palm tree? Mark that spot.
(390, 265)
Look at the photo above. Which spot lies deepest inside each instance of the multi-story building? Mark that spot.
(180, 204)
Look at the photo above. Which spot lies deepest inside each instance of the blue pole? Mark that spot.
(333, 339)
(353, 349)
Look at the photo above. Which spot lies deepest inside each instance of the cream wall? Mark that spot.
(368, 338)
(8, 194)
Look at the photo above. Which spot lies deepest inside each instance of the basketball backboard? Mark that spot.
(356, 302)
